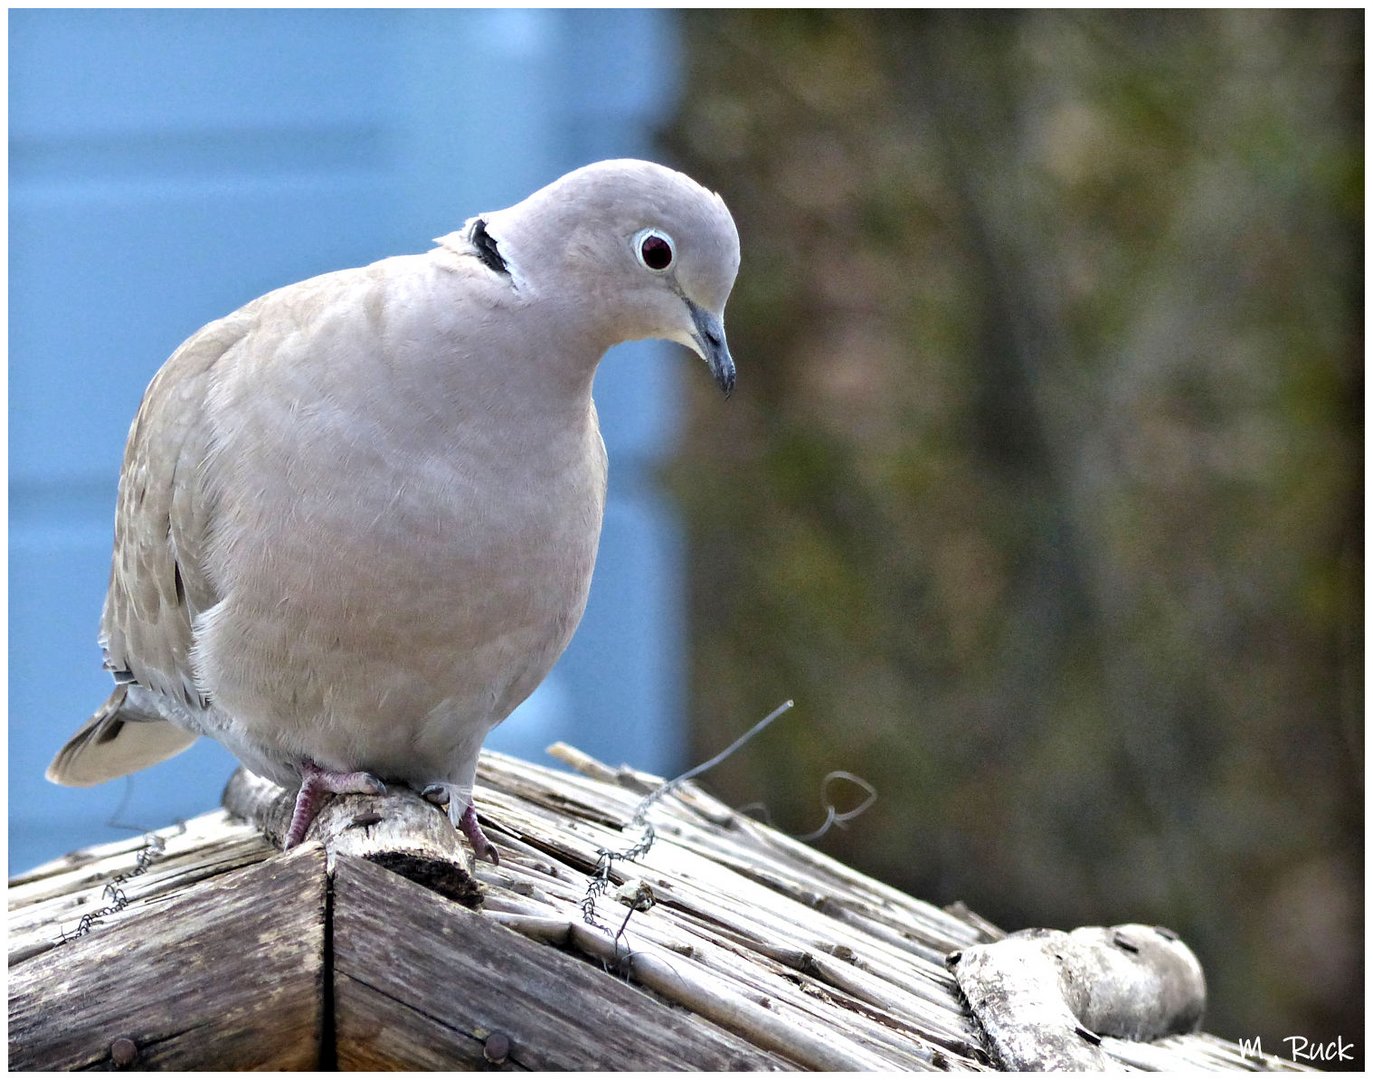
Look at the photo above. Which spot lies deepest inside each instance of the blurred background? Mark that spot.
(1041, 492)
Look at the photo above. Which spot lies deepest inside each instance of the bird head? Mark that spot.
(623, 250)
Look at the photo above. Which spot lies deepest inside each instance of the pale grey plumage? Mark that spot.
(357, 517)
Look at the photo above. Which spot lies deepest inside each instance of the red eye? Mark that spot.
(655, 250)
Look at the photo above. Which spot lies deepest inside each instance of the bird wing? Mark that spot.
(158, 578)
(159, 581)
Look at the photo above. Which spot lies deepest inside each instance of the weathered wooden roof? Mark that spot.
(726, 945)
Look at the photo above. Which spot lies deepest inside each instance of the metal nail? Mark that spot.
(497, 1048)
(123, 1052)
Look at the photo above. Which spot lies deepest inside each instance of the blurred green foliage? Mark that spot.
(1041, 491)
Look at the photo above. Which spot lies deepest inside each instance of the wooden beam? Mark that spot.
(399, 831)
(228, 975)
(422, 983)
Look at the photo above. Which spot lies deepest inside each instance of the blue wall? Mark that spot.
(168, 166)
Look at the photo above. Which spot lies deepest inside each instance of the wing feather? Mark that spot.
(159, 578)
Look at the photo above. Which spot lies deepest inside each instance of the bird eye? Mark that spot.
(654, 249)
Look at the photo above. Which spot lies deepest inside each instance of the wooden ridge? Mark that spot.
(727, 945)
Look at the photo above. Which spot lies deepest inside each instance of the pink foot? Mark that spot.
(315, 785)
(481, 846)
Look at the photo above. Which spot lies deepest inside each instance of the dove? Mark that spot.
(357, 517)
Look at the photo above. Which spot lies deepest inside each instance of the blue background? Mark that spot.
(167, 167)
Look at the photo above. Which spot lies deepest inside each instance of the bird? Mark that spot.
(357, 517)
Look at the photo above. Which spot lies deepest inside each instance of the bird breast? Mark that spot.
(397, 567)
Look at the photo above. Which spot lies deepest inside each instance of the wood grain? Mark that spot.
(422, 983)
(1045, 998)
(756, 953)
(228, 975)
(399, 831)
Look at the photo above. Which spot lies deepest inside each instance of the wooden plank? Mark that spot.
(50, 907)
(229, 975)
(422, 983)
(94, 866)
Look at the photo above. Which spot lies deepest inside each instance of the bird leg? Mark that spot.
(315, 785)
(466, 822)
(481, 846)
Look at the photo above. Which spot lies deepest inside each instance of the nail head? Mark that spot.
(497, 1048)
(123, 1052)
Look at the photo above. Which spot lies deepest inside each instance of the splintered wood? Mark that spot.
(725, 946)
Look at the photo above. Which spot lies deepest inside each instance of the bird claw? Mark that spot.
(436, 794)
(367, 784)
(315, 785)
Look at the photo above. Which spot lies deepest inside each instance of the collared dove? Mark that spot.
(357, 517)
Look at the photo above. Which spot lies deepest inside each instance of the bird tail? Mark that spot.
(119, 739)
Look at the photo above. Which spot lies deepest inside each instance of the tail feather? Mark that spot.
(119, 739)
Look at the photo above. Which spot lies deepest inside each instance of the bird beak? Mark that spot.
(710, 343)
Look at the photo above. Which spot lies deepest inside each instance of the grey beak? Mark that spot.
(710, 336)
